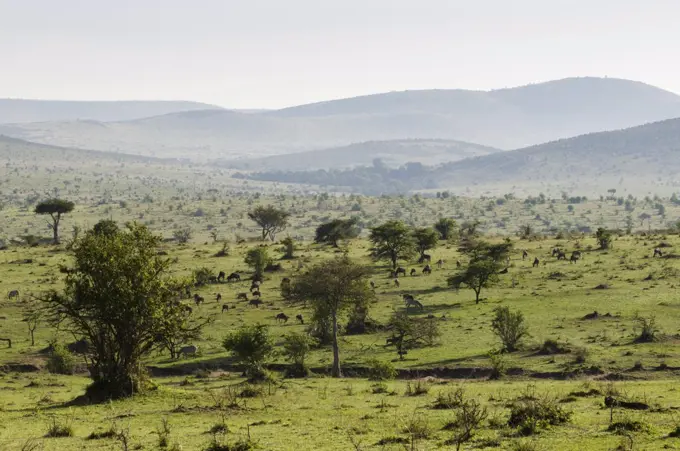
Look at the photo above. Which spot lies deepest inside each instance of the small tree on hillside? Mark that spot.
(32, 315)
(258, 258)
(447, 228)
(118, 296)
(251, 345)
(270, 219)
(604, 238)
(509, 327)
(288, 248)
(338, 229)
(55, 208)
(482, 271)
(331, 288)
(425, 239)
(392, 241)
(296, 347)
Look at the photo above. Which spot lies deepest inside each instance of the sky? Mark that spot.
(275, 53)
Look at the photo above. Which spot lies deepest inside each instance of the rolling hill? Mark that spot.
(13, 111)
(391, 153)
(505, 119)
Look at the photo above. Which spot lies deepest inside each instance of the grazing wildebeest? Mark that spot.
(425, 258)
(255, 285)
(413, 271)
(407, 297)
(300, 319)
(440, 263)
(282, 317)
(396, 282)
(400, 270)
(256, 293)
(427, 269)
(536, 262)
(414, 303)
(255, 303)
(372, 284)
(234, 277)
(555, 251)
(242, 297)
(190, 350)
(212, 279)
(198, 299)
(225, 308)
(575, 256)
(218, 297)
(457, 263)
(561, 255)
(525, 254)
(221, 276)
(658, 252)
(13, 294)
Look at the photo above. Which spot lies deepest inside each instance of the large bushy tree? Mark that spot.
(446, 227)
(486, 261)
(119, 297)
(338, 229)
(332, 288)
(55, 208)
(392, 241)
(425, 238)
(270, 219)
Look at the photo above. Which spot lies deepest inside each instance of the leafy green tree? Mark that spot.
(296, 347)
(251, 345)
(604, 238)
(258, 258)
(106, 227)
(331, 288)
(118, 296)
(288, 248)
(55, 208)
(338, 229)
(509, 327)
(446, 227)
(392, 241)
(486, 260)
(425, 238)
(270, 219)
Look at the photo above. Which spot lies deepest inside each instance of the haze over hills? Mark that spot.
(391, 153)
(506, 119)
(14, 111)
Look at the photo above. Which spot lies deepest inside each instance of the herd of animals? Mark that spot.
(409, 300)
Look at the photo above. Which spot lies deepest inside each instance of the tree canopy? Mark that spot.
(338, 229)
(55, 208)
(331, 288)
(118, 296)
(392, 241)
(270, 219)
(425, 238)
(446, 227)
(486, 261)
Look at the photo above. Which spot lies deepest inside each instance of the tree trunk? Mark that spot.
(477, 292)
(336, 371)
(55, 228)
(32, 337)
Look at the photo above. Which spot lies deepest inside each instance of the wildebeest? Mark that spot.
(525, 254)
(396, 282)
(255, 285)
(212, 279)
(218, 297)
(299, 318)
(561, 255)
(427, 269)
(186, 351)
(457, 263)
(13, 294)
(425, 258)
(536, 262)
(413, 271)
(658, 252)
(282, 317)
(255, 303)
(225, 308)
(256, 293)
(198, 299)
(221, 276)
(407, 297)
(575, 256)
(400, 270)
(372, 284)
(413, 303)
(440, 263)
(234, 277)
(242, 297)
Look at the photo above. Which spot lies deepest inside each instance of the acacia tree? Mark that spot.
(482, 271)
(32, 316)
(258, 259)
(331, 288)
(392, 241)
(270, 219)
(425, 239)
(55, 208)
(446, 227)
(336, 230)
(119, 298)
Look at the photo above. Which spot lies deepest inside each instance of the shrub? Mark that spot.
(218, 444)
(550, 347)
(604, 238)
(509, 327)
(251, 345)
(530, 415)
(498, 365)
(183, 235)
(59, 430)
(622, 427)
(381, 371)
(648, 330)
(61, 361)
(109, 433)
(581, 355)
(296, 347)
(450, 400)
(469, 417)
(417, 388)
(417, 427)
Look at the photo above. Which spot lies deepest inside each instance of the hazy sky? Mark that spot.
(274, 53)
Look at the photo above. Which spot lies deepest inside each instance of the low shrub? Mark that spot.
(529, 416)
(60, 360)
(381, 371)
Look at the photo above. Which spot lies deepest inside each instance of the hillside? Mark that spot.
(26, 111)
(506, 119)
(391, 153)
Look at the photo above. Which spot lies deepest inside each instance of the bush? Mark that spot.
(59, 430)
(381, 371)
(296, 347)
(648, 330)
(604, 238)
(450, 400)
(417, 427)
(509, 327)
(551, 347)
(622, 427)
(530, 415)
(61, 361)
(182, 236)
(218, 444)
(498, 366)
(251, 345)
(417, 388)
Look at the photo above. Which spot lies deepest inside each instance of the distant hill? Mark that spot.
(642, 160)
(391, 153)
(505, 119)
(26, 111)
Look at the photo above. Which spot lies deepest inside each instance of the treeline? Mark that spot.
(370, 180)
